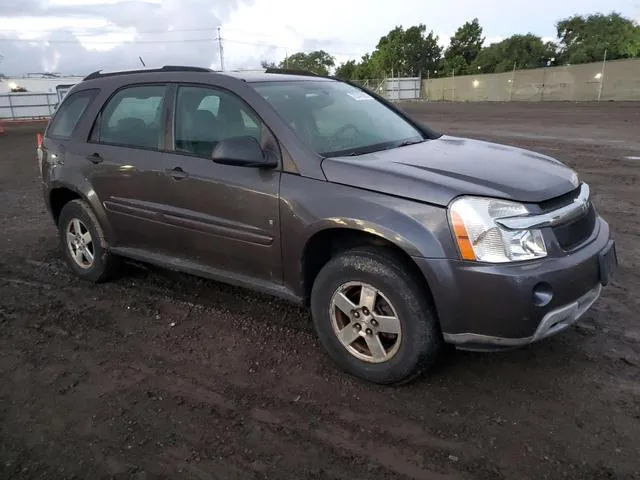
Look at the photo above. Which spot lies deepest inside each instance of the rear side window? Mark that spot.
(133, 117)
(69, 113)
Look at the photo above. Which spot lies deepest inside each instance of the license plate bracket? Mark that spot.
(608, 263)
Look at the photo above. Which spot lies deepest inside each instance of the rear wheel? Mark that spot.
(82, 243)
(374, 318)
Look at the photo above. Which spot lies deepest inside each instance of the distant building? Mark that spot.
(39, 83)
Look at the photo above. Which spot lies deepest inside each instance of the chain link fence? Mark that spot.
(378, 85)
(22, 106)
(395, 88)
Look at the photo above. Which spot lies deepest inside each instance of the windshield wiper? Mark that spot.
(410, 142)
(376, 147)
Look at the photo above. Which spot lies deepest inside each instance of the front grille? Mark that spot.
(572, 234)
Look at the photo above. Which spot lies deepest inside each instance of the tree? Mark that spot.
(266, 64)
(525, 51)
(347, 70)
(584, 39)
(407, 52)
(464, 47)
(368, 68)
(318, 62)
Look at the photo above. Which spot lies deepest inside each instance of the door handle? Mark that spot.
(177, 173)
(94, 158)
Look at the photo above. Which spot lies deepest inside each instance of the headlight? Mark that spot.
(480, 238)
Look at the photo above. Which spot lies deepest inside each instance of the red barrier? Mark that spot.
(6, 126)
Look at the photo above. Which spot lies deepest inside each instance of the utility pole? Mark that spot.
(221, 51)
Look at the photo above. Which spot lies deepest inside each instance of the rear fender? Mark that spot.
(85, 191)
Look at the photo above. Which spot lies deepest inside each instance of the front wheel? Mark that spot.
(373, 317)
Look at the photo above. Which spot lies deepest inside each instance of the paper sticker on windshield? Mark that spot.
(360, 96)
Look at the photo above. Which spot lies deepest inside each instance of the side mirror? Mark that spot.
(242, 152)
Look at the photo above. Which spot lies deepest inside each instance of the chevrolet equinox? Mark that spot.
(399, 238)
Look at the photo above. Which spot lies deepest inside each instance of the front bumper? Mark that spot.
(487, 306)
(553, 322)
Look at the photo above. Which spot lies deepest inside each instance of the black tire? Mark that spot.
(421, 341)
(105, 264)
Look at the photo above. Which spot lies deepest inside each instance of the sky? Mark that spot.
(80, 36)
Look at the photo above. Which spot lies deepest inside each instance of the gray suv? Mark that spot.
(399, 238)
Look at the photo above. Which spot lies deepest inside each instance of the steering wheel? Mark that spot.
(337, 139)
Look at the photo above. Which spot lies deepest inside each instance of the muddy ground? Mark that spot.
(162, 375)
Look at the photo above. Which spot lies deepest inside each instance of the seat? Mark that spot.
(230, 119)
(130, 131)
(299, 120)
(203, 132)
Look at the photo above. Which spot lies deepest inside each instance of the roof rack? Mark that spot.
(166, 68)
(286, 71)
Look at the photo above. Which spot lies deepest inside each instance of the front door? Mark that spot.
(228, 216)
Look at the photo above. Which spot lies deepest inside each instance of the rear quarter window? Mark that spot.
(69, 113)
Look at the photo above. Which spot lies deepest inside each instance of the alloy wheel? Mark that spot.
(80, 243)
(365, 322)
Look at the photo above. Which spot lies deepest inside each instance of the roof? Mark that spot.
(266, 75)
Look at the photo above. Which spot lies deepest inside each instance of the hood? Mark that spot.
(436, 171)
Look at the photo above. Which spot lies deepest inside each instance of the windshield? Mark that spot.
(336, 119)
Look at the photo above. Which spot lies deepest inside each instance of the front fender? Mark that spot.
(410, 246)
(310, 206)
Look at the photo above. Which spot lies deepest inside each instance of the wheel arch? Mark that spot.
(62, 193)
(59, 197)
(325, 243)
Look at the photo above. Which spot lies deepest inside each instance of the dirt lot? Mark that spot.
(162, 375)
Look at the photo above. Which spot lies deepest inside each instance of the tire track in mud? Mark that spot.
(337, 434)
(325, 433)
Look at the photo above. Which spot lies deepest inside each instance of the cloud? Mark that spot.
(161, 33)
(12, 8)
(254, 30)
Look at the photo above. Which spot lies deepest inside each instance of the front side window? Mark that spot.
(334, 118)
(69, 113)
(205, 115)
(133, 117)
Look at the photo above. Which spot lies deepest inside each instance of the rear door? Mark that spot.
(126, 168)
(228, 216)
(58, 136)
